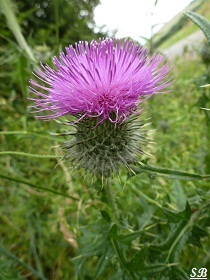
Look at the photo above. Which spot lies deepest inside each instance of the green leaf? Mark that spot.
(138, 261)
(169, 251)
(202, 101)
(166, 245)
(129, 237)
(180, 231)
(178, 245)
(175, 217)
(113, 232)
(105, 215)
(201, 22)
(119, 251)
(203, 194)
(196, 234)
(146, 217)
(177, 195)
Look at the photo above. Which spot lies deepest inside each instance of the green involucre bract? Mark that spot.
(101, 149)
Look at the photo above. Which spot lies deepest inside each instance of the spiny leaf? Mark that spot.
(178, 245)
(204, 195)
(119, 252)
(196, 234)
(165, 246)
(175, 217)
(129, 237)
(201, 22)
(138, 261)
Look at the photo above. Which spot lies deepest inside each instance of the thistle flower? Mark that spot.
(102, 85)
(96, 80)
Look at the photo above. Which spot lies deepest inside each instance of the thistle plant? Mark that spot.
(102, 85)
(144, 226)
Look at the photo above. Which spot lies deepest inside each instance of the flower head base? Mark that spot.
(101, 80)
(101, 149)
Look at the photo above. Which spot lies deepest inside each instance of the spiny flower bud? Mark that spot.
(102, 85)
(101, 149)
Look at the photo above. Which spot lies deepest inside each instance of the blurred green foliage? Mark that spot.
(180, 27)
(38, 21)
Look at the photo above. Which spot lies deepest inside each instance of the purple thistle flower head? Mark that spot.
(105, 79)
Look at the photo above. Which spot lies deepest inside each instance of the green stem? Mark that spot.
(57, 25)
(148, 199)
(111, 202)
(30, 134)
(168, 173)
(13, 153)
(188, 226)
(117, 252)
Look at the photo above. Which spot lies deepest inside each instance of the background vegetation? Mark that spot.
(180, 27)
(54, 222)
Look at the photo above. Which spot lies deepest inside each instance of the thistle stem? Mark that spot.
(111, 202)
(15, 153)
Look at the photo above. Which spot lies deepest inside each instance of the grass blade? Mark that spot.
(15, 27)
(23, 181)
(23, 264)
